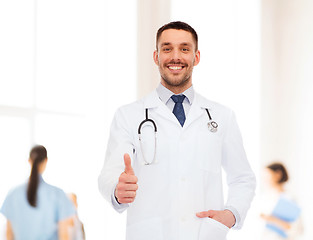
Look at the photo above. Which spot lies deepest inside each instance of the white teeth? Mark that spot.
(175, 67)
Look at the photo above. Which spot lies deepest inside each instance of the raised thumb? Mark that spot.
(128, 166)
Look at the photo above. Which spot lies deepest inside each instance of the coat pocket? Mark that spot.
(146, 229)
(211, 229)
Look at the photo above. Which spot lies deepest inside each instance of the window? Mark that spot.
(65, 68)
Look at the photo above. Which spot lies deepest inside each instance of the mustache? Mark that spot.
(177, 63)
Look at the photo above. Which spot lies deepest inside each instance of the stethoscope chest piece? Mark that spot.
(212, 126)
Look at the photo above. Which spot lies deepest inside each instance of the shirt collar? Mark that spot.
(40, 178)
(165, 94)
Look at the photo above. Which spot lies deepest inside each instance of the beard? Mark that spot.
(176, 81)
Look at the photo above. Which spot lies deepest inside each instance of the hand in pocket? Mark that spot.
(225, 217)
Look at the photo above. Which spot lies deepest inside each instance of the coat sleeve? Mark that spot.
(120, 142)
(240, 178)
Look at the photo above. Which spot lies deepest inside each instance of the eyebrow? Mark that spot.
(186, 44)
(165, 44)
(182, 44)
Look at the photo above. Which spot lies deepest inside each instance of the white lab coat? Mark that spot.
(187, 177)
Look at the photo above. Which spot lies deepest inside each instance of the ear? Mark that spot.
(197, 58)
(156, 57)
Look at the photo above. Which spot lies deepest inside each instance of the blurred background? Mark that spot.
(67, 65)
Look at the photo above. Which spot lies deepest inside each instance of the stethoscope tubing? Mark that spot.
(155, 137)
(212, 125)
(147, 120)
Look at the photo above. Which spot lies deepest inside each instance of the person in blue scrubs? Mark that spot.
(280, 210)
(37, 210)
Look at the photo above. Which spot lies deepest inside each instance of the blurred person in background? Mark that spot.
(76, 230)
(281, 213)
(36, 210)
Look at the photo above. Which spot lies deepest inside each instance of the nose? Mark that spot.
(176, 54)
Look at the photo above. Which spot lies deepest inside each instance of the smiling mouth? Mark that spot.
(176, 67)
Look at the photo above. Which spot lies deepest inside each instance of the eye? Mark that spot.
(166, 49)
(185, 49)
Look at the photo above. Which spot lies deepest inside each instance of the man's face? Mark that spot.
(176, 55)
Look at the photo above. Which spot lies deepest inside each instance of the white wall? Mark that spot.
(151, 16)
(287, 100)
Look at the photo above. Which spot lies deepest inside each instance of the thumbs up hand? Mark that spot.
(125, 191)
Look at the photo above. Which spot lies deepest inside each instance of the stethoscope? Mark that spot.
(212, 125)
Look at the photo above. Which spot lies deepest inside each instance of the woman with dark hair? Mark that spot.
(279, 175)
(37, 210)
(282, 217)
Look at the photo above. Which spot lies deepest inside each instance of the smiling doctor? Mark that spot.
(166, 153)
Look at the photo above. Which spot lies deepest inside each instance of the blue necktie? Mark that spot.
(179, 109)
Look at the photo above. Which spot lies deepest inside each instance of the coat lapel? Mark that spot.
(197, 109)
(152, 101)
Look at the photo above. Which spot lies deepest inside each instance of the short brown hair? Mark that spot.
(178, 26)
(279, 168)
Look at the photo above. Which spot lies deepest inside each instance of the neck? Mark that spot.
(279, 188)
